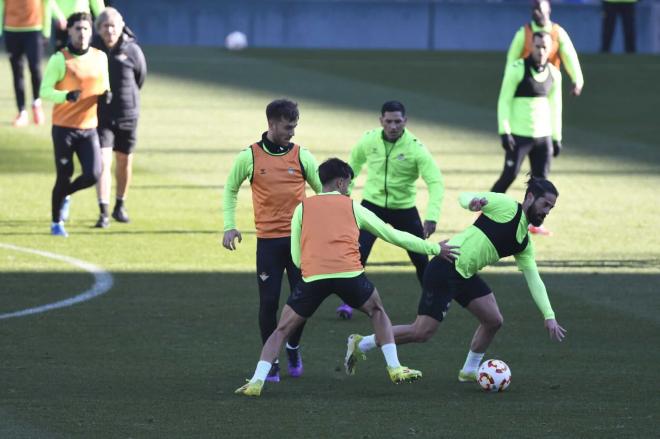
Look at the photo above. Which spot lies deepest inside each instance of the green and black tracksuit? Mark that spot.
(529, 108)
(390, 189)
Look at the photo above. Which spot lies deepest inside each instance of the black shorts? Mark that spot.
(308, 296)
(442, 283)
(119, 135)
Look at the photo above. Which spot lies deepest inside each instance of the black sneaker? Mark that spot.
(274, 373)
(295, 362)
(120, 214)
(103, 222)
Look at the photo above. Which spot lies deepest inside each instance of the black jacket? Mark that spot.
(128, 70)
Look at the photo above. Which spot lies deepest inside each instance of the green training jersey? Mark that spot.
(393, 169)
(365, 220)
(242, 170)
(538, 116)
(68, 7)
(477, 251)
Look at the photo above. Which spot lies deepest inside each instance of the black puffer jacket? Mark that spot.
(128, 70)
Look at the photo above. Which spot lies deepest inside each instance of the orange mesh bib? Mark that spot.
(23, 13)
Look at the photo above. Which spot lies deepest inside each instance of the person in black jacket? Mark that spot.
(118, 120)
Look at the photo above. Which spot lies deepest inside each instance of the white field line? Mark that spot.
(102, 283)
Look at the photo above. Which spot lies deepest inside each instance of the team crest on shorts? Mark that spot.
(290, 171)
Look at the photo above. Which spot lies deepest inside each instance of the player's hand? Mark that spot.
(556, 147)
(429, 228)
(555, 331)
(576, 91)
(73, 95)
(61, 24)
(477, 204)
(508, 142)
(229, 239)
(448, 252)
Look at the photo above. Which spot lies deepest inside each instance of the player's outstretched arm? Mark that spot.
(555, 331)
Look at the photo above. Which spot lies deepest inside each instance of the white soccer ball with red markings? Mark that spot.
(494, 376)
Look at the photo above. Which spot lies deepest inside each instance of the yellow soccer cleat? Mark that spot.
(402, 374)
(467, 377)
(250, 389)
(353, 353)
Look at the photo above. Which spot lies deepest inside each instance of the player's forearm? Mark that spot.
(539, 293)
(296, 230)
(433, 178)
(570, 59)
(371, 223)
(311, 170)
(229, 202)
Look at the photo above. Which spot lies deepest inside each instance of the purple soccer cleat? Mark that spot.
(295, 362)
(344, 312)
(274, 373)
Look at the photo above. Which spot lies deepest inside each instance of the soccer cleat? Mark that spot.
(274, 373)
(250, 389)
(57, 229)
(103, 222)
(38, 114)
(120, 214)
(295, 362)
(540, 230)
(353, 353)
(344, 312)
(467, 377)
(65, 208)
(402, 374)
(21, 119)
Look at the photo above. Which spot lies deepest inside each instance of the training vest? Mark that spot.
(278, 186)
(84, 73)
(553, 56)
(503, 235)
(24, 14)
(528, 87)
(329, 243)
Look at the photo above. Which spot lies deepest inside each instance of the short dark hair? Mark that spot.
(540, 186)
(79, 16)
(392, 106)
(334, 168)
(541, 34)
(282, 109)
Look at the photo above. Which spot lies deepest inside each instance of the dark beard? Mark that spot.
(534, 218)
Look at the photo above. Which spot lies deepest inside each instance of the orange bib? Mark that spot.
(330, 236)
(278, 186)
(553, 56)
(24, 13)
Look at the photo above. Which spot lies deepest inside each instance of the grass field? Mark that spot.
(159, 355)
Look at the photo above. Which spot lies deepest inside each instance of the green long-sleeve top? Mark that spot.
(68, 7)
(242, 170)
(477, 251)
(49, 7)
(365, 220)
(567, 51)
(393, 169)
(55, 71)
(529, 116)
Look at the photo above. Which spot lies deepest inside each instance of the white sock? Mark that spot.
(391, 358)
(472, 361)
(37, 102)
(288, 346)
(263, 367)
(367, 343)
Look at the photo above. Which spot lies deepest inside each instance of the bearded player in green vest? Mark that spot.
(500, 231)
(395, 160)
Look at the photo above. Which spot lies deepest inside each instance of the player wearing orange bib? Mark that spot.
(277, 170)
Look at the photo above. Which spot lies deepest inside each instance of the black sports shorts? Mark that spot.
(120, 135)
(308, 296)
(442, 283)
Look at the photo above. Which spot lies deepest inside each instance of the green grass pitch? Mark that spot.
(160, 354)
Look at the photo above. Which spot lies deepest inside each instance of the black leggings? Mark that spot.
(627, 13)
(539, 150)
(273, 257)
(29, 44)
(407, 220)
(85, 143)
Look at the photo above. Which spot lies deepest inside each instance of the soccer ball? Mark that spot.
(236, 41)
(494, 376)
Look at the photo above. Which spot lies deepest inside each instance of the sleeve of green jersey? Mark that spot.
(512, 77)
(539, 293)
(430, 173)
(2, 15)
(516, 47)
(500, 207)
(240, 171)
(56, 11)
(570, 59)
(96, 6)
(296, 230)
(555, 103)
(356, 160)
(367, 220)
(311, 170)
(55, 70)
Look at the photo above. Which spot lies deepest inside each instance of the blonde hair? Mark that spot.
(107, 14)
